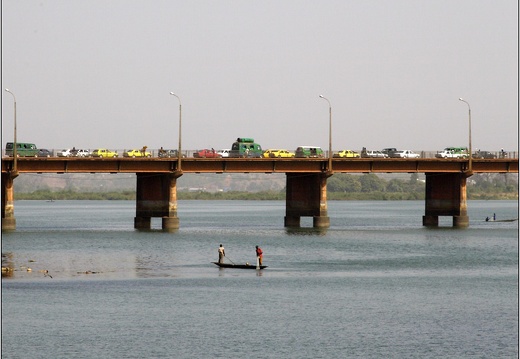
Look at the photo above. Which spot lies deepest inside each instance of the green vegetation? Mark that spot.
(371, 187)
(47, 195)
(339, 187)
(234, 195)
(493, 186)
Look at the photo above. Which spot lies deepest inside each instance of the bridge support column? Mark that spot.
(8, 219)
(446, 196)
(156, 196)
(306, 196)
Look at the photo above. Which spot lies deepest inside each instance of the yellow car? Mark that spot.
(346, 153)
(137, 153)
(103, 153)
(278, 154)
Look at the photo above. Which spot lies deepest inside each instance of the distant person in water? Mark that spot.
(494, 217)
(259, 254)
(221, 254)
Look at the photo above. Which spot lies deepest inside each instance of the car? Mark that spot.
(274, 153)
(484, 154)
(374, 154)
(104, 153)
(79, 153)
(224, 152)
(308, 151)
(453, 152)
(42, 152)
(346, 154)
(389, 151)
(64, 153)
(22, 149)
(206, 153)
(136, 153)
(405, 154)
(83, 153)
(169, 153)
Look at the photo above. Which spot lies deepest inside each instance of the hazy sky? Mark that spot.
(99, 73)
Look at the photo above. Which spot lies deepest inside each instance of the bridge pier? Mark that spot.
(306, 196)
(8, 219)
(156, 196)
(446, 196)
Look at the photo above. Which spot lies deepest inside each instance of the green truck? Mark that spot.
(245, 147)
(309, 151)
(22, 149)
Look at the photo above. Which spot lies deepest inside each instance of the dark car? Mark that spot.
(169, 154)
(484, 154)
(42, 152)
(390, 151)
(206, 153)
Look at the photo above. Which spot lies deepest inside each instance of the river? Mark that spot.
(376, 284)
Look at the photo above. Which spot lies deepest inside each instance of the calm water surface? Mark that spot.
(376, 284)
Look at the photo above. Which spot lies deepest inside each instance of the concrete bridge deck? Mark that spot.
(256, 165)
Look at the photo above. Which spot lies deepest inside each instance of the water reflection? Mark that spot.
(157, 230)
(306, 231)
(7, 265)
(9, 268)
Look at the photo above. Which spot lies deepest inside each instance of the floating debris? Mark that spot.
(45, 273)
(88, 272)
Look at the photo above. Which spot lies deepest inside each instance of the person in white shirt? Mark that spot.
(221, 254)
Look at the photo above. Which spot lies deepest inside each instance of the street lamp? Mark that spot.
(470, 153)
(330, 133)
(179, 152)
(15, 152)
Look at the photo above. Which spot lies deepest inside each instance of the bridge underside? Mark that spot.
(156, 196)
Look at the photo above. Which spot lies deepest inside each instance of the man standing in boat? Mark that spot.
(221, 254)
(259, 254)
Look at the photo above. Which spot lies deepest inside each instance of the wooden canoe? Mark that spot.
(239, 266)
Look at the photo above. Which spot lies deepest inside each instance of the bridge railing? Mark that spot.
(189, 153)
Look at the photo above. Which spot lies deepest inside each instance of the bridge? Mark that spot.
(306, 182)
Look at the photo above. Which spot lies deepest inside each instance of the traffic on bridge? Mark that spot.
(250, 150)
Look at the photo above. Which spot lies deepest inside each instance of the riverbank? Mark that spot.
(47, 195)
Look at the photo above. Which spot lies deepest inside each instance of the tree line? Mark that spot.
(339, 187)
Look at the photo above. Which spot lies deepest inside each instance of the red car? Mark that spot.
(206, 153)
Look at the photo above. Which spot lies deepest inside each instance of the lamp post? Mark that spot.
(179, 151)
(15, 152)
(470, 153)
(330, 133)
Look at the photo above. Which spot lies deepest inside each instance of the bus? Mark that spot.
(245, 147)
(22, 149)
